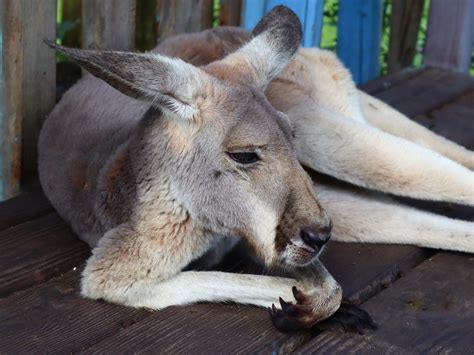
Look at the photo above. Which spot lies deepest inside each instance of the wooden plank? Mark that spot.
(230, 13)
(36, 251)
(372, 266)
(385, 82)
(180, 16)
(449, 43)
(359, 33)
(199, 329)
(404, 27)
(427, 311)
(23, 208)
(427, 91)
(109, 24)
(28, 87)
(53, 318)
(454, 120)
(243, 329)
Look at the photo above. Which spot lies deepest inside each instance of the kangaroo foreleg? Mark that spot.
(365, 156)
(358, 216)
(391, 121)
(131, 270)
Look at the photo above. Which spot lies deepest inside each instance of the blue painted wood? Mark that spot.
(298, 6)
(252, 12)
(310, 13)
(313, 23)
(359, 34)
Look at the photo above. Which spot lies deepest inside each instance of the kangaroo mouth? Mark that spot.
(299, 255)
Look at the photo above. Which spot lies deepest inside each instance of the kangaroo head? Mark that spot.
(227, 153)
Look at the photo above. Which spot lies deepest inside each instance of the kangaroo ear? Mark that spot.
(277, 38)
(165, 82)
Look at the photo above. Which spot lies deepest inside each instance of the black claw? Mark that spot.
(296, 293)
(288, 308)
(274, 308)
(284, 305)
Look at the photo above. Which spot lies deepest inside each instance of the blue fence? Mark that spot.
(359, 29)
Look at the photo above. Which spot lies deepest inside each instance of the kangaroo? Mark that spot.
(166, 162)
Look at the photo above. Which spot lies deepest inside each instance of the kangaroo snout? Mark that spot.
(316, 236)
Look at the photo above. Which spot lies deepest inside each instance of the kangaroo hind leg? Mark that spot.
(358, 216)
(368, 157)
(391, 121)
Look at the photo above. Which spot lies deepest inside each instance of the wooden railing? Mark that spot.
(28, 67)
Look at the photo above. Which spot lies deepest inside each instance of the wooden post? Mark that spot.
(449, 35)
(180, 16)
(359, 33)
(27, 94)
(108, 24)
(404, 27)
(230, 12)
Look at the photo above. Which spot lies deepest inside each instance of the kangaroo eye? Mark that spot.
(244, 157)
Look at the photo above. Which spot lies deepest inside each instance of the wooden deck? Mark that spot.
(422, 300)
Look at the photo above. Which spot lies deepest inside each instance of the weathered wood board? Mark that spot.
(180, 16)
(426, 91)
(230, 12)
(23, 208)
(449, 40)
(27, 91)
(430, 310)
(404, 28)
(35, 251)
(108, 24)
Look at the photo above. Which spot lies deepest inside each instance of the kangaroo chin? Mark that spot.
(159, 164)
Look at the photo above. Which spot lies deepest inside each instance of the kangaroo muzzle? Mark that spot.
(315, 236)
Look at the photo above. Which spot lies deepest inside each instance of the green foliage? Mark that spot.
(384, 43)
(329, 32)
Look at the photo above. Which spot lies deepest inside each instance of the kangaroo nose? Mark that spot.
(316, 237)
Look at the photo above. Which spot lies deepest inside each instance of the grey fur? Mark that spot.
(151, 185)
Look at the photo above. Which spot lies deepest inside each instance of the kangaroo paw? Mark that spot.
(295, 316)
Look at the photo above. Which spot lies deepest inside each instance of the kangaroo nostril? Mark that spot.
(326, 232)
(315, 237)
